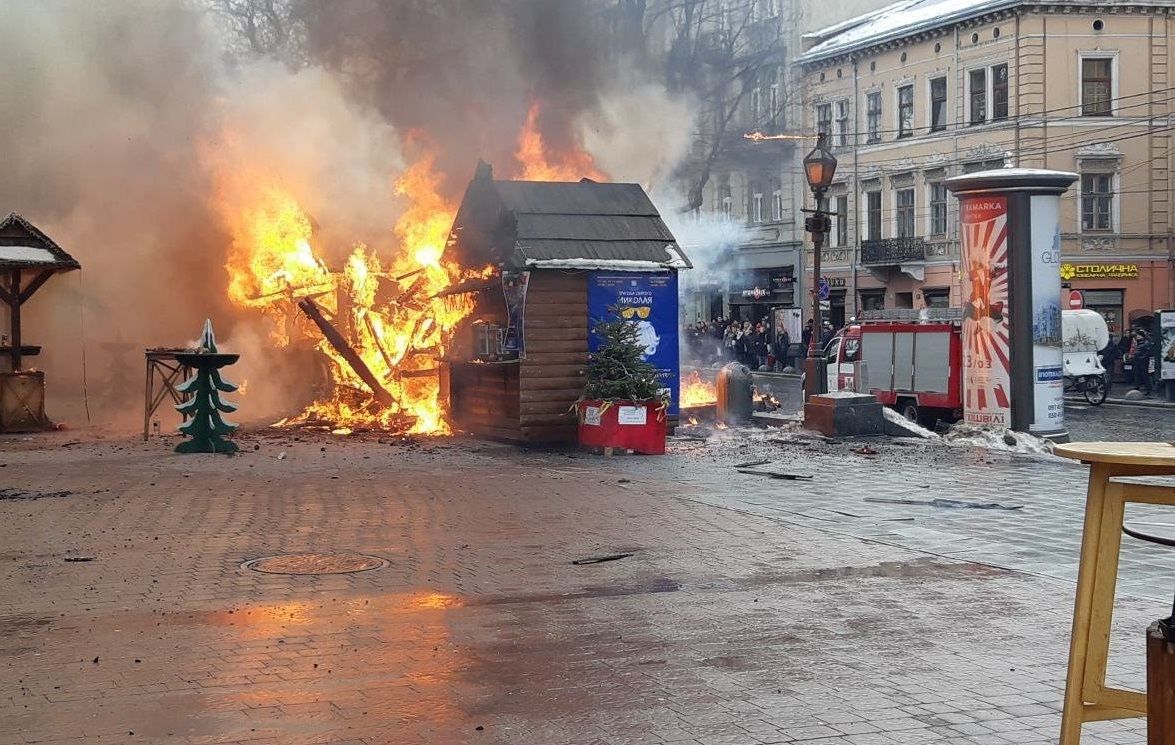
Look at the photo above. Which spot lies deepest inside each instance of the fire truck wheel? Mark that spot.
(910, 410)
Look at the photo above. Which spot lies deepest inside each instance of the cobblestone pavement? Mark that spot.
(748, 613)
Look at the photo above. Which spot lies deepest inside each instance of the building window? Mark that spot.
(873, 215)
(906, 111)
(938, 208)
(977, 96)
(999, 93)
(905, 213)
(824, 119)
(725, 200)
(937, 297)
(756, 204)
(873, 116)
(840, 208)
(1096, 86)
(872, 299)
(756, 105)
(1097, 202)
(842, 123)
(776, 200)
(938, 104)
(773, 94)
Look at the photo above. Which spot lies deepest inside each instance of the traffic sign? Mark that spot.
(824, 289)
(825, 305)
(1076, 300)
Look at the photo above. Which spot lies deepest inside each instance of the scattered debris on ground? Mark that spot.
(752, 464)
(21, 494)
(948, 503)
(600, 559)
(776, 474)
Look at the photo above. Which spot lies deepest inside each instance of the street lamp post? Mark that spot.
(819, 168)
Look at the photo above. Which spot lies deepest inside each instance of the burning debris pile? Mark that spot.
(381, 326)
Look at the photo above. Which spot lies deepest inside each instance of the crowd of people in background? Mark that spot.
(1137, 348)
(754, 344)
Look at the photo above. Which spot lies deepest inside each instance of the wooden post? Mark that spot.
(1160, 688)
(336, 340)
(14, 306)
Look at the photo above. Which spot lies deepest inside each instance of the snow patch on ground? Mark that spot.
(914, 427)
(997, 439)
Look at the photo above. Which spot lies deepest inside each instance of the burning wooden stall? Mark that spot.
(567, 251)
(28, 259)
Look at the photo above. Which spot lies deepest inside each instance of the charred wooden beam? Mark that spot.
(336, 340)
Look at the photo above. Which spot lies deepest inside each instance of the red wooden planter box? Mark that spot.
(633, 425)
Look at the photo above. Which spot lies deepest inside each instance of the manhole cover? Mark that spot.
(340, 563)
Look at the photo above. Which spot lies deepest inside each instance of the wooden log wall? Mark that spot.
(483, 398)
(554, 372)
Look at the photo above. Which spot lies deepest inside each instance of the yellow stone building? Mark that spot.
(927, 89)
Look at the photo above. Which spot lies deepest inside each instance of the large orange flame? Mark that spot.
(697, 392)
(539, 164)
(386, 306)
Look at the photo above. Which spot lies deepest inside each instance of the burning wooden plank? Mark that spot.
(336, 340)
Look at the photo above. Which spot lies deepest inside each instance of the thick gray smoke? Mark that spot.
(128, 126)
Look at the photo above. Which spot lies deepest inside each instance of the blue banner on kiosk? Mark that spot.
(652, 302)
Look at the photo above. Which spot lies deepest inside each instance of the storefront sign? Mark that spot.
(1047, 354)
(757, 293)
(986, 352)
(1099, 271)
(650, 300)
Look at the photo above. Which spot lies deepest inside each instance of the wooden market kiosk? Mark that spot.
(28, 259)
(561, 250)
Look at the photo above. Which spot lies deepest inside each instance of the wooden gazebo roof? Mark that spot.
(25, 252)
(24, 246)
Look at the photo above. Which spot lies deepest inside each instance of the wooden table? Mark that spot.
(1087, 698)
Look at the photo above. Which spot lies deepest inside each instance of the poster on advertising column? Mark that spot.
(650, 300)
(1167, 344)
(1048, 384)
(986, 356)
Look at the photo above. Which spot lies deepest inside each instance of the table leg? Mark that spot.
(147, 402)
(1105, 581)
(1071, 715)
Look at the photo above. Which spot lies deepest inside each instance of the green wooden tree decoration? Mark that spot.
(617, 370)
(202, 412)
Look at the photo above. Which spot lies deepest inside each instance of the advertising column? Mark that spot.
(1010, 250)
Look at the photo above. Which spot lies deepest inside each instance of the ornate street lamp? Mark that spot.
(819, 167)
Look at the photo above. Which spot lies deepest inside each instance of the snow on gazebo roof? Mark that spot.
(24, 246)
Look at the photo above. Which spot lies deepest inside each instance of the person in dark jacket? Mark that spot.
(779, 349)
(826, 335)
(1141, 352)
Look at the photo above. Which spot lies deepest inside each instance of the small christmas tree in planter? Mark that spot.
(202, 412)
(623, 404)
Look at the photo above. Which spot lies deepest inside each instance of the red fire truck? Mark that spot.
(911, 360)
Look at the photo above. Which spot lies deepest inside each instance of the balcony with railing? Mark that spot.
(893, 251)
